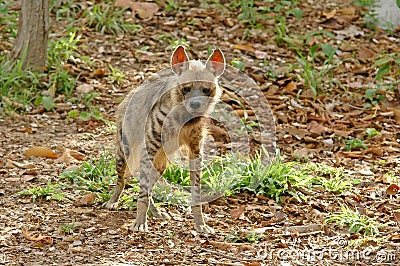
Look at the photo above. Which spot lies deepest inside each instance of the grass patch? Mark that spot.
(357, 223)
(93, 175)
(18, 85)
(105, 18)
(48, 192)
(233, 173)
(225, 175)
(68, 228)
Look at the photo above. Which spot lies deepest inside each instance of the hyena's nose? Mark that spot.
(195, 105)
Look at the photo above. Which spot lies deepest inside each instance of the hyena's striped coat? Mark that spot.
(163, 114)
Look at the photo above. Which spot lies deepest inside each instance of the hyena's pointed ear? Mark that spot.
(216, 62)
(179, 60)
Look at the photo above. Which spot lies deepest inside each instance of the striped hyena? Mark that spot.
(155, 120)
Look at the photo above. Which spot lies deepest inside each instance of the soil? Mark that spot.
(307, 129)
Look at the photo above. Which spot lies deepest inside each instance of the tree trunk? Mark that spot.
(32, 36)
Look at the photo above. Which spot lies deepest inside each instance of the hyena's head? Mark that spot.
(197, 83)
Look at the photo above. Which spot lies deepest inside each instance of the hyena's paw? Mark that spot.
(161, 215)
(204, 229)
(139, 227)
(111, 205)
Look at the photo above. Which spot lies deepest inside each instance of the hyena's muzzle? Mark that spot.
(197, 101)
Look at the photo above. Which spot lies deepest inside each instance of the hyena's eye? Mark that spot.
(206, 91)
(185, 90)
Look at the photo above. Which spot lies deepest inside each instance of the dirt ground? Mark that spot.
(291, 232)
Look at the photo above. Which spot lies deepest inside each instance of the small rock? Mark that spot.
(366, 172)
(77, 243)
(112, 232)
(84, 89)
(328, 142)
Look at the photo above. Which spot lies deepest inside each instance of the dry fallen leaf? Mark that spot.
(260, 54)
(330, 14)
(332, 23)
(393, 189)
(280, 216)
(70, 156)
(219, 245)
(236, 213)
(376, 150)
(39, 239)
(250, 263)
(25, 178)
(301, 153)
(100, 72)
(350, 11)
(396, 114)
(13, 164)
(365, 53)
(39, 151)
(396, 237)
(352, 154)
(397, 217)
(143, 9)
(87, 199)
(244, 47)
(291, 86)
(342, 133)
(316, 128)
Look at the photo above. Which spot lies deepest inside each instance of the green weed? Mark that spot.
(18, 85)
(238, 64)
(106, 18)
(314, 77)
(372, 132)
(368, 12)
(116, 76)
(62, 49)
(331, 178)
(47, 102)
(354, 144)
(281, 32)
(171, 195)
(171, 5)
(373, 96)
(68, 228)
(234, 173)
(356, 222)
(93, 175)
(177, 175)
(66, 10)
(337, 184)
(233, 238)
(62, 82)
(8, 20)
(92, 113)
(243, 238)
(49, 192)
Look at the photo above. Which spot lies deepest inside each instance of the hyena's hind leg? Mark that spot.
(195, 164)
(156, 212)
(122, 172)
(150, 171)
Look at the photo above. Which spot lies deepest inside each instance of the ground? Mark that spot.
(310, 127)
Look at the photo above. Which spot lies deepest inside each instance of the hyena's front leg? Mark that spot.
(150, 170)
(122, 171)
(195, 182)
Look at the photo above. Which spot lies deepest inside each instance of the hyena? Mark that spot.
(157, 119)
